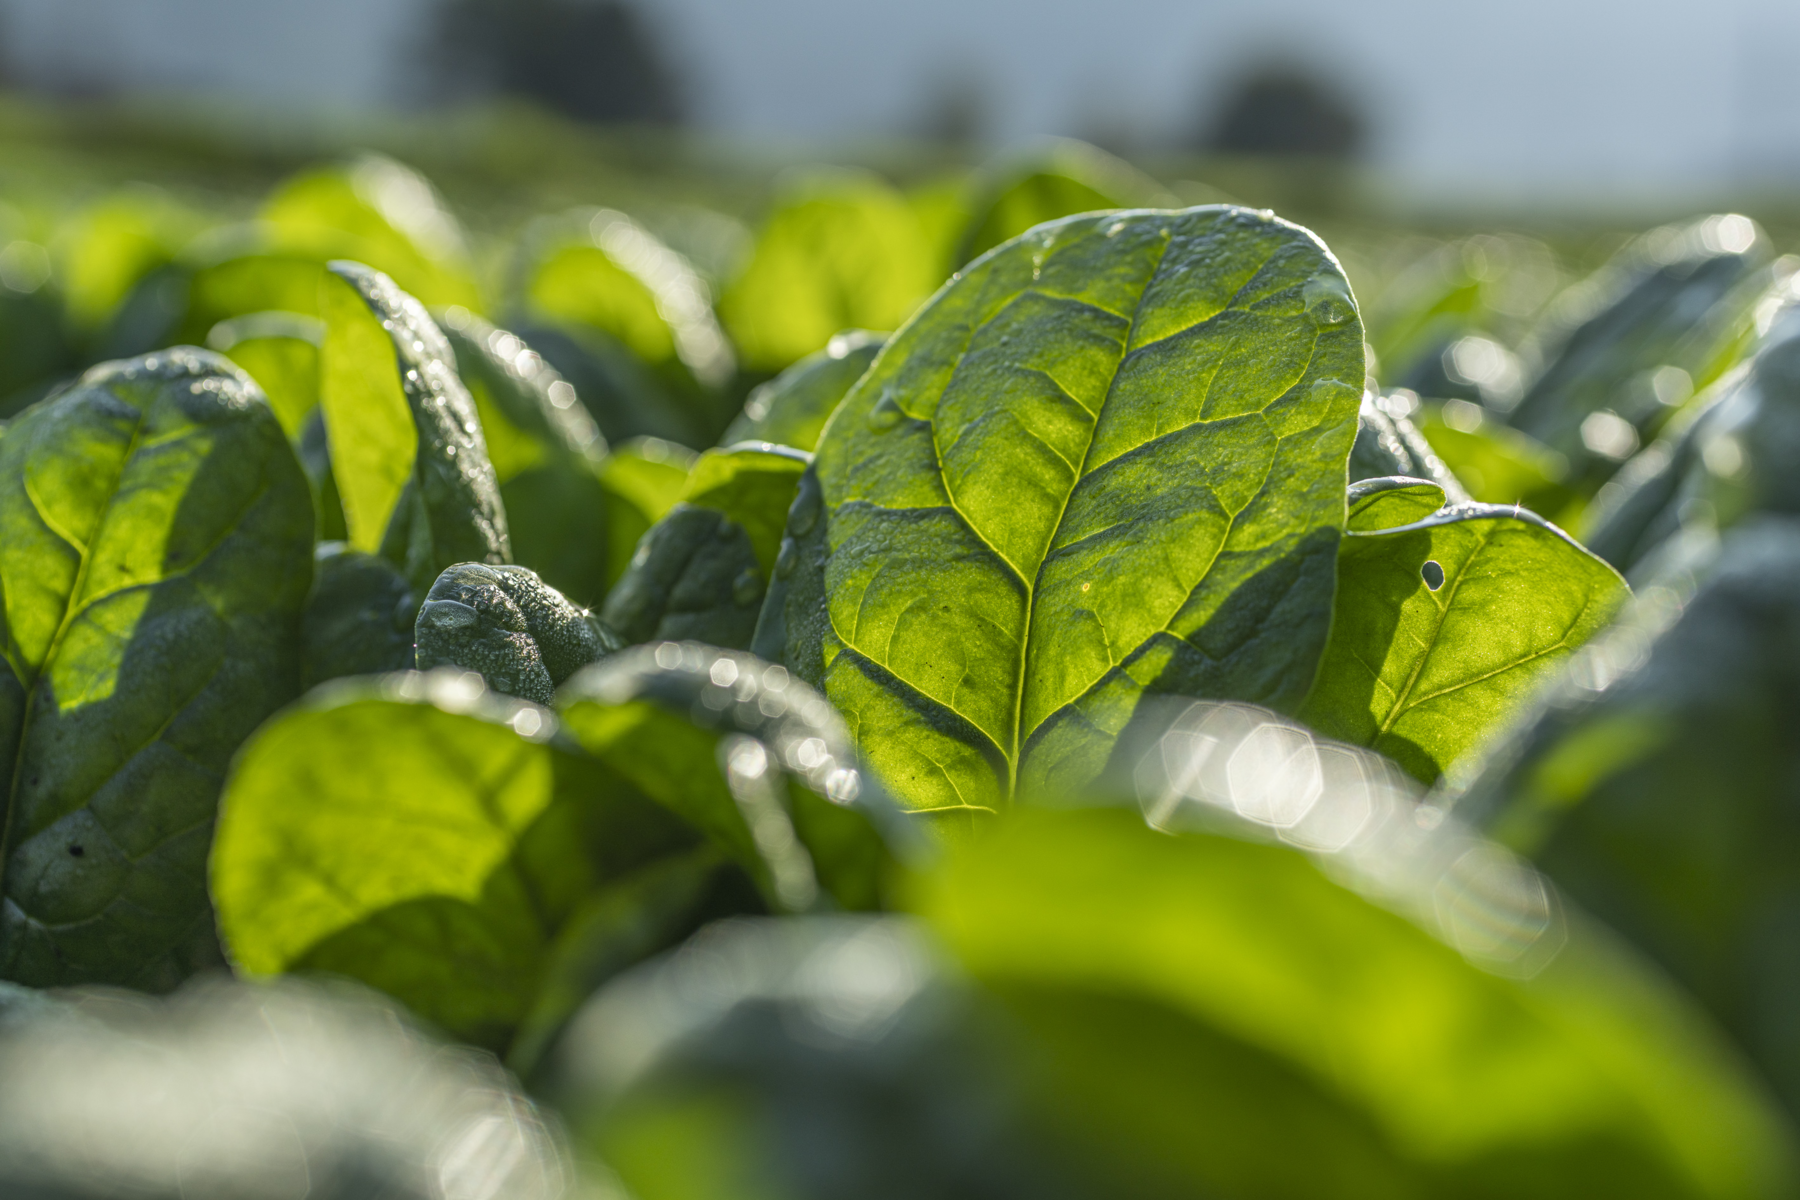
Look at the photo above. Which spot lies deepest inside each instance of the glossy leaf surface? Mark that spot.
(442, 868)
(1445, 624)
(406, 446)
(156, 554)
(1109, 459)
(792, 408)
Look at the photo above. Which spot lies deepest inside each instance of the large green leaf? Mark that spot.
(1658, 785)
(155, 551)
(841, 250)
(1443, 624)
(792, 408)
(1059, 178)
(1108, 459)
(442, 867)
(1130, 1014)
(1142, 963)
(407, 451)
(700, 573)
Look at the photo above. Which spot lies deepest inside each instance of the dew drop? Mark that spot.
(804, 514)
(788, 559)
(1328, 300)
(886, 414)
(747, 588)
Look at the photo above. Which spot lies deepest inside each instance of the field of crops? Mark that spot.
(998, 683)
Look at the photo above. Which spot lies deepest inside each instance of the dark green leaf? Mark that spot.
(521, 635)
(1443, 625)
(359, 617)
(1657, 785)
(701, 572)
(1107, 460)
(753, 758)
(1673, 298)
(791, 409)
(440, 869)
(406, 447)
(155, 555)
(546, 452)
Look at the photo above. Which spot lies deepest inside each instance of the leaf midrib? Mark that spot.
(1014, 754)
(71, 608)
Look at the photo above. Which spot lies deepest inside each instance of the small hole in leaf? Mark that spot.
(1434, 575)
(76, 852)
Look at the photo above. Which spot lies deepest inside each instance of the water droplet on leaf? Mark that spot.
(886, 414)
(747, 588)
(788, 559)
(1327, 299)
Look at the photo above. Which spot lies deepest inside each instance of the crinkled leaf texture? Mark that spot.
(701, 572)
(155, 552)
(1106, 460)
(1446, 621)
(1659, 783)
(407, 450)
(792, 408)
(522, 635)
(444, 865)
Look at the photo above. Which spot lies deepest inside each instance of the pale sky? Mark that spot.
(1526, 97)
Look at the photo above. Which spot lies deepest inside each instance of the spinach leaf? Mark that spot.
(1107, 460)
(841, 250)
(640, 341)
(752, 757)
(441, 869)
(546, 452)
(1674, 298)
(156, 554)
(406, 447)
(1057, 178)
(701, 572)
(280, 350)
(376, 211)
(1109, 1010)
(522, 636)
(791, 409)
(1657, 784)
(358, 619)
(1499, 464)
(1444, 623)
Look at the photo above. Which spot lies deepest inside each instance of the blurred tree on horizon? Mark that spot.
(1284, 109)
(594, 60)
